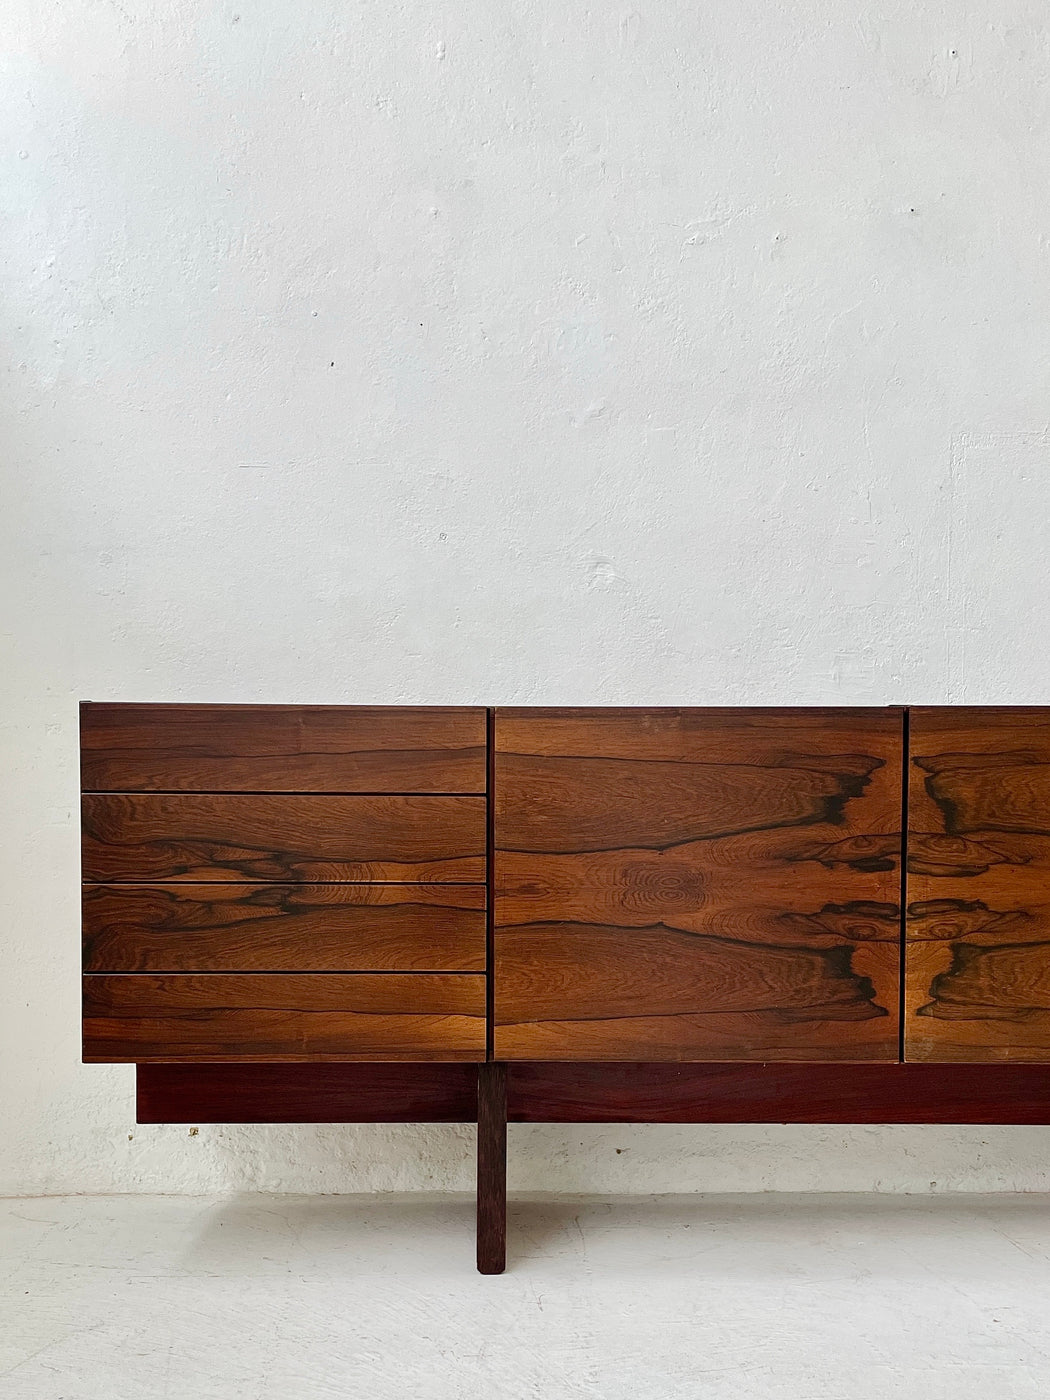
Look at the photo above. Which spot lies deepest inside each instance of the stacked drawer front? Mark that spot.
(283, 883)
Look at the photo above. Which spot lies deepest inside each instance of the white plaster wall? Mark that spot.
(410, 350)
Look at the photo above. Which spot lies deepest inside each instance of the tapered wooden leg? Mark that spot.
(492, 1168)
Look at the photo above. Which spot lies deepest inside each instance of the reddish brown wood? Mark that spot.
(284, 928)
(697, 884)
(282, 837)
(777, 1093)
(978, 902)
(282, 748)
(490, 892)
(307, 1093)
(492, 1168)
(546, 1092)
(284, 1016)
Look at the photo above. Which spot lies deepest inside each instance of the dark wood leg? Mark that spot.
(492, 1168)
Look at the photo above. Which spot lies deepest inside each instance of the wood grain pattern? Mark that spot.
(777, 1093)
(697, 884)
(282, 837)
(282, 748)
(978, 894)
(306, 1093)
(283, 928)
(284, 1016)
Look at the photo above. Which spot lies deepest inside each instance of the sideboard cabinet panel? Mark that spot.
(697, 884)
(268, 883)
(978, 885)
(281, 748)
(283, 1017)
(281, 836)
(236, 927)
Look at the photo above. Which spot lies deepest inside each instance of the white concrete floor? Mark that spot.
(306, 1298)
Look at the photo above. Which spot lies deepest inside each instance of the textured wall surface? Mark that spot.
(547, 352)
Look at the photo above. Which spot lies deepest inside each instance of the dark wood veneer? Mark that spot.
(282, 837)
(282, 748)
(306, 1093)
(697, 884)
(284, 928)
(978, 902)
(778, 1093)
(284, 1016)
(545, 1092)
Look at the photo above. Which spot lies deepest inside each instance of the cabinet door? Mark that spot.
(697, 884)
(978, 885)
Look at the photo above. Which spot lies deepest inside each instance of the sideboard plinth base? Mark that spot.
(495, 1093)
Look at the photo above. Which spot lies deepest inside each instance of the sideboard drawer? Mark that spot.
(280, 836)
(277, 1016)
(281, 748)
(284, 928)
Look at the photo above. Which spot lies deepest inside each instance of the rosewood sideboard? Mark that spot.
(362, 914)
